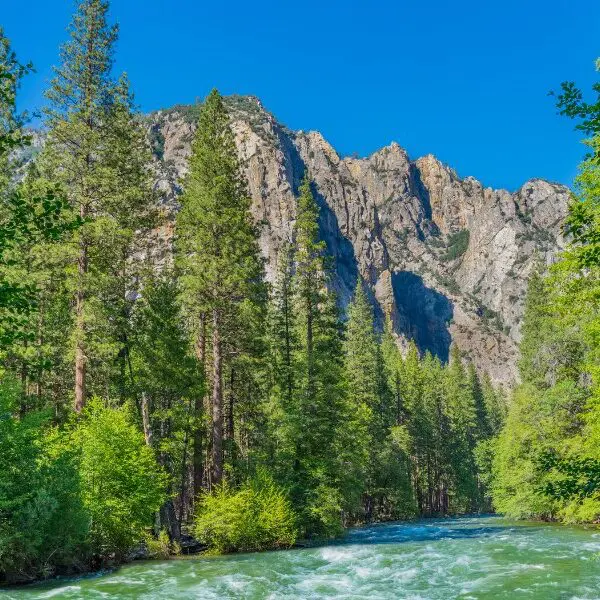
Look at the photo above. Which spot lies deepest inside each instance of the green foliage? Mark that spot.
(157, 142)
(309, 415)
(457, 245)
(547, 461)
(255, 516)
(43, 525)
(189, 112)
(223, 291)
(381, 483)
(190, 390)
(28, 216)
(122, 486)
(161, 547)
(11, 133)
(97, 153)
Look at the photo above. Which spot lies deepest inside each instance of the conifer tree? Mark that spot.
(282, 354)
(282, 329)
(308, 408)
(362, 372)
(165, 382)
(218, 256)
(11, 121)
(29, 218)
(462, 413)
(392, 364)
(97, 151)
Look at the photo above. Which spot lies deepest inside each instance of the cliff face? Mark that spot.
(446, 257)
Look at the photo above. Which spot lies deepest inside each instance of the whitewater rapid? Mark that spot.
(467, 558)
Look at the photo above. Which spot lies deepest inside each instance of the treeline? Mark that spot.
(547, 461)
(142, 396)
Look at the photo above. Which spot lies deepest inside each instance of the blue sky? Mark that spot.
(465, 80)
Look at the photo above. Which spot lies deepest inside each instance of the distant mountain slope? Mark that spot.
(446, 257)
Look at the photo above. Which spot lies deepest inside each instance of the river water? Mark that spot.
(468, 558)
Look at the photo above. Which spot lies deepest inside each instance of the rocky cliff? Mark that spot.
(446, 257)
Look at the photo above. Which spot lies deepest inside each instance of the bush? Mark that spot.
(43, 525)
(457, 245)
(255, 516)
(68, 495)
(122, 485)
(585, 510)
(324, 512)
(161, 547)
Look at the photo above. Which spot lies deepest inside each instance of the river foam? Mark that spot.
(467, 558)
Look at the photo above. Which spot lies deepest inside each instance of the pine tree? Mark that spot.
(436, 438)
(392, 364)
(283, 342)
(282, 355)
(97, 150)
(308, 411)
(362, 372)
(218, 256)
(30, 216)
(165, 381)
(462, 413)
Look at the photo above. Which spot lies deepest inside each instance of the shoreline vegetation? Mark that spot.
(144, 399)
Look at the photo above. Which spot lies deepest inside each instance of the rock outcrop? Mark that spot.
(448, 259)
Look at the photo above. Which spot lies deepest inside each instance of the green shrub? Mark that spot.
(122, 485)
(43, 525)
(324, 511)
(585, 510)
(255, 516)
(457, 245)
(161, 547)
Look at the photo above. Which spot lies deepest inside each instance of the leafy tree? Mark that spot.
(547, 452)
(122, 486)
(42, 522)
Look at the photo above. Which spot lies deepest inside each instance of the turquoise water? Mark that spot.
(469, 558)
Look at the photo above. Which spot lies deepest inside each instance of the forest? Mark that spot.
(147, 396)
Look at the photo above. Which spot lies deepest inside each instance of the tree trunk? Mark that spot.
(217, 404)
(184, 472)
(146, 420)
(80, 358)
(168, 520)
(230, 411)
(198, 405)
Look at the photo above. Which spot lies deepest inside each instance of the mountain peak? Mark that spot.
(446, 257)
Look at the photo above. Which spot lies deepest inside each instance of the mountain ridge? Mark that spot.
(446, 257)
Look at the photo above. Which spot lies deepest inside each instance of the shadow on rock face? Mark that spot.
(341, 251)
(423, 314)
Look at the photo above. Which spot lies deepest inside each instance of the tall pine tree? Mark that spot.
(97, 151)
(218, 258)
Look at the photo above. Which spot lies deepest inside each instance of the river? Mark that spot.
(468, 558)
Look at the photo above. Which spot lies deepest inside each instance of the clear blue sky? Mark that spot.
(465, 80)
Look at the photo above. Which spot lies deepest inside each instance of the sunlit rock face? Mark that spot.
(445, 257)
